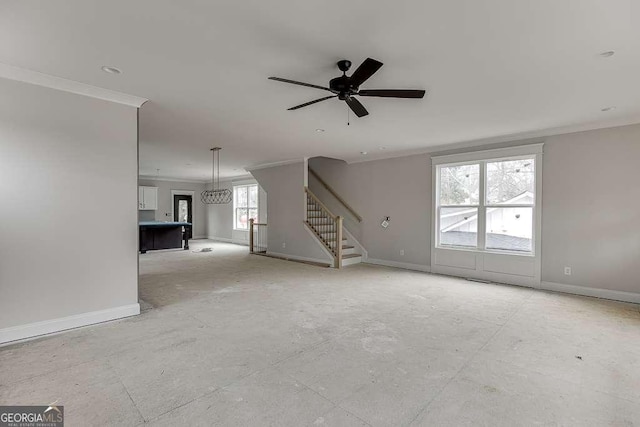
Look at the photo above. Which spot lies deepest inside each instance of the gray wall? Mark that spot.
(591, 209)
(590, 206)
(399, 188)
(284, 186)
(165, 202)
(68, 222)
(220, 217)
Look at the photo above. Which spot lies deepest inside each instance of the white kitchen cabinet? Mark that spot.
(147, 198)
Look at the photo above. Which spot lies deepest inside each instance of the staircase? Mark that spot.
(328, 228)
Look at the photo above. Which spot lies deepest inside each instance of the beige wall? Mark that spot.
(68, 222)
(590, 206)
(165, 203)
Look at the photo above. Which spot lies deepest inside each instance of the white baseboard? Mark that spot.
(591, 292)
(30, 330)
(198, 237)
(397, 264)
(300, 258)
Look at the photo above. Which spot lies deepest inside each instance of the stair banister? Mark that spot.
(338, 257)
(313, 196)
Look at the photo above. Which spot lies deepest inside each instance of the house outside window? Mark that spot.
(504, 196)
(487, 216)
(245, 205)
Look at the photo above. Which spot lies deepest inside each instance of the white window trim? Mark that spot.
(244, 184)
(476, 257)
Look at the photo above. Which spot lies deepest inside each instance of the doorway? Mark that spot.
(183, 210)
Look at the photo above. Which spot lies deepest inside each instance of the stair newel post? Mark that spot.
(251, 235)
(338, 242)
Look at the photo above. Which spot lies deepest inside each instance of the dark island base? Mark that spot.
(155, 237)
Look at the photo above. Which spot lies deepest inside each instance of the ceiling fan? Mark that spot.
(346, 87)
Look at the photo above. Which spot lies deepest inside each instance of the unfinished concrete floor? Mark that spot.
(244, 340)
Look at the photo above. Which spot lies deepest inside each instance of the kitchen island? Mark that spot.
(163, 235)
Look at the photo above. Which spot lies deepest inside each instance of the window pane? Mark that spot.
(253, 196)
(242, 220)
(183, 211)
(253, 213)
(511, 182)
(241, 197)
(460, 185)
(459, 227)
(510, 229)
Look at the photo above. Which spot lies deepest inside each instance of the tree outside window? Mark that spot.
(245, 205)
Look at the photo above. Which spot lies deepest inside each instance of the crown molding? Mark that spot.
(34, 77)
(167, 179)
(519, 138)
(273, 165)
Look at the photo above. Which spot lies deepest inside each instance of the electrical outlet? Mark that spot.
(401, 252)
(567, 271)
(284, 245)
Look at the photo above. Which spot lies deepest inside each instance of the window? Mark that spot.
(245, 205)
(487, 205)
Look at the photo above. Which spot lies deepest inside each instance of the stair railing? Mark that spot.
(257, 237)
(325, 225)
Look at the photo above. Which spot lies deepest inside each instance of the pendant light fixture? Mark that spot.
(216, 196)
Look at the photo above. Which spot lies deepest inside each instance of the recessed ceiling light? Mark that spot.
(364, 153)
(605, 109)
(319, 130)
(111, 70)
(608, 54)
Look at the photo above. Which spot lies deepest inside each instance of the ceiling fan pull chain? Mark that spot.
(348, 115)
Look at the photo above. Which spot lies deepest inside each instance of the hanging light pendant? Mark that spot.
(216, 196)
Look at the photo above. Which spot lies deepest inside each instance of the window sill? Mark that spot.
(488, 251)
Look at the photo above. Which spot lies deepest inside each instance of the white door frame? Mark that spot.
(193, 202)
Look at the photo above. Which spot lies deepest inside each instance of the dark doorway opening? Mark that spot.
(183, 210)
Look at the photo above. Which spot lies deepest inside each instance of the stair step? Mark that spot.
(348, 250)
(351, 259)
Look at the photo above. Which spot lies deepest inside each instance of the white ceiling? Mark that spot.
(491, 68)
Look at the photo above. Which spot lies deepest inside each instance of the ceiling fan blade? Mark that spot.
(393, 93)
(364, 71)
(356, 107)
(311, 102)
(278, 79)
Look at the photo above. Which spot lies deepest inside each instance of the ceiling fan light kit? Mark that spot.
(345, 88)
(216, 196)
